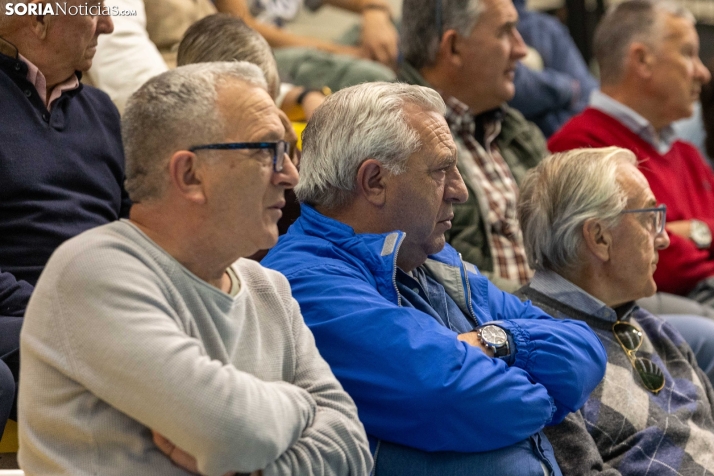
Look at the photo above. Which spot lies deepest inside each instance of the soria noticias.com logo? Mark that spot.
(61, 8)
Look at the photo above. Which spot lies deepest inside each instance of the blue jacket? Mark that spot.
(413, 382)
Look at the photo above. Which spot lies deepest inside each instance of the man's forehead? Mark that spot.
(496, 13)
(247, 107)
(635, 185)
(677, 29)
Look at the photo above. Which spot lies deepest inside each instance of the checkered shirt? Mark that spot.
(498, 185)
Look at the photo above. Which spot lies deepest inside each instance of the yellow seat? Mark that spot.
(299, 127)
(8, 443)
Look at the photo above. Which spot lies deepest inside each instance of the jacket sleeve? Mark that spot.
(14, 295)
(575, 450)
(335, 443)
(414, 383)
(565, 356)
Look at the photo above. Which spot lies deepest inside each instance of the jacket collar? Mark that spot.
(378, 252)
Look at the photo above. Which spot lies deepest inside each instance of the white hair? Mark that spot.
(560, 194)
(173, 111)
(353, 125)
(628, 22)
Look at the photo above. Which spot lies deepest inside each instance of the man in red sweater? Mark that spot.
(651, 76)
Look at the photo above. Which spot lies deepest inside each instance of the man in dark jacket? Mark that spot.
(61, 160)
(468, 51)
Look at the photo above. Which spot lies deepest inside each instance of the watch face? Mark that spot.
(700, 233)
(494, 335)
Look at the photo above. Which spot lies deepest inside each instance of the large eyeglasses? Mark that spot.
(279, 149)
(658, 218)
(630, 339)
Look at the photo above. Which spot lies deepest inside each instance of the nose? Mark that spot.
(661, 240)
(703, 73)
(105, 25)
(518, 46)
(456, 191)
(288, 177)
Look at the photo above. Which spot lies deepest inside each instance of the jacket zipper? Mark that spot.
(468, 289)
(394, 272)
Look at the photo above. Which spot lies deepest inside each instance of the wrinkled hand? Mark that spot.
(472, 338)
(179, 457)
(379, 37)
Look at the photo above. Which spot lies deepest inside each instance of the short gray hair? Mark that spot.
(625, 23)
(223, 37)
(560, 194)
(353, 125)
(173, 111)
(420, 35)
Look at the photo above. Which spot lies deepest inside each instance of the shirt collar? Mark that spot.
(557, 287)
(662, 142)
(461, 120)
(36, 78)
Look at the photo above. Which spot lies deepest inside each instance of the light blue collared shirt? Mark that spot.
(662, 142)
(557, 287)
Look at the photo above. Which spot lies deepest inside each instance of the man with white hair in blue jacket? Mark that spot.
(451, 376)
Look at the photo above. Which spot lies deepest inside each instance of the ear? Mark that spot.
(371, 182)
(450, 49)
(185, 176)
(597, 239)
(640, 59)
(39, 23)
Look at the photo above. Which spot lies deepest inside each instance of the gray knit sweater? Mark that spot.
(119, 338)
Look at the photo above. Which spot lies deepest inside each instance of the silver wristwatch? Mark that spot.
(494, 338)
(700, 234)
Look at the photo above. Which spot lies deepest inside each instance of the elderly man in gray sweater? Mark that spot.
(149, 347)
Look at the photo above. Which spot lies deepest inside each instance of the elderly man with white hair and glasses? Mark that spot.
(593, 232)
(149, 347)
(651, 76)
(451, 376)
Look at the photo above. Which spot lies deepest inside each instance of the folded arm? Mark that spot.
(126, 345)
(563, 355)
(14, 295)
(413, 381)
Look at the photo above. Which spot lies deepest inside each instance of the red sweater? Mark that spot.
(680, 179)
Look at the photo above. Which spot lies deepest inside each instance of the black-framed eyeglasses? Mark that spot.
(658, 219)
(279, 149)
(630, 339)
